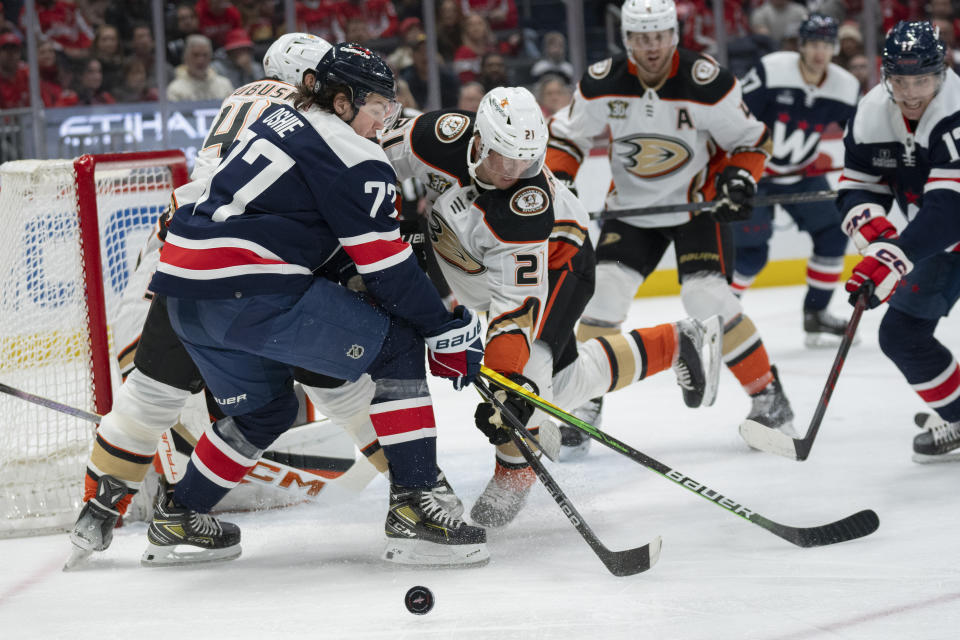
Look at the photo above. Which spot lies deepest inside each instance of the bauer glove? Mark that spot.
(735, 188)
(495, 426)
(456, 349)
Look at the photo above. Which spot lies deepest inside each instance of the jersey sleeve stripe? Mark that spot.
(216, 243)
(378, 256)
(944, 173)
(951, 184)
(372, 236)
(851, 185)
(860, 176)
(232, 272)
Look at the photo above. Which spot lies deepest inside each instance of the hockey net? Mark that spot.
(72, 230)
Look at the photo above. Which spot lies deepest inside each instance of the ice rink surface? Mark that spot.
(314, 571)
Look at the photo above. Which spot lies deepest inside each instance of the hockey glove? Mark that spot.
(865, 223)
(488, 418)
(735, 188)
(882, 266)
(456, 349)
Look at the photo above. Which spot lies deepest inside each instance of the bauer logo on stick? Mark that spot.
(419, 600)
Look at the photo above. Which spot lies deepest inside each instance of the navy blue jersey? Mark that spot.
(291, 191)
(886, 157)
(795, 112)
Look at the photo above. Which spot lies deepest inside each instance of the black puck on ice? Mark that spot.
(419, 600)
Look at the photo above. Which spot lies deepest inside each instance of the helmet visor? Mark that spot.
(912, 89)
(512, 168)
(384, 111)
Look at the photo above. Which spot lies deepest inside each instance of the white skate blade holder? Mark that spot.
(424, 553)
(79, 558)
(184, 554)
(825, 341)
(711, 355)
(923, 458)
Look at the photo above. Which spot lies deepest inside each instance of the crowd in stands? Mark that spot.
(95, 52)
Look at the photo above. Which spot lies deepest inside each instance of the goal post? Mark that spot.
(72, 232)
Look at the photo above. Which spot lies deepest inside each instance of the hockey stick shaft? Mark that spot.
(758, 201)
(551, 453)
(777, 442)
(855, 526)
(620, 563)
(266, 472)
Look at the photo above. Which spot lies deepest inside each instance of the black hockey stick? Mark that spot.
(770, 440)
(855, 526)
(758, 201)
(50, 404)
(620, 563)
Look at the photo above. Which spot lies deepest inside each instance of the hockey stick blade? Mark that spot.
(773, 441)
(852, 527)
(620, 563)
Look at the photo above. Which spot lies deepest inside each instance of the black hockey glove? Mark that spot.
(735, 188)
(488, 418)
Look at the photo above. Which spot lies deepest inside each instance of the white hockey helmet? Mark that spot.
(639, 16)
(292, 54)
(510, 122)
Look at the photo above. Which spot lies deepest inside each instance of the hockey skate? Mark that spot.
(940, 441)
(771, 407)
(823, 330)
(574, 444)
(698, 364)
(504, 495)
(420, 531)
(174, 526)
(444, 494)
(93, 530)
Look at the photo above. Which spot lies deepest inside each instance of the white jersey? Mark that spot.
(666, 143)
(494, 247)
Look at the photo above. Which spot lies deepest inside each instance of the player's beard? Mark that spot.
(651, 72)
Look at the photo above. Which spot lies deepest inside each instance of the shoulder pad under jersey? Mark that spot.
(610, 77)
(699, 78)
(440, 139)
(522, 213)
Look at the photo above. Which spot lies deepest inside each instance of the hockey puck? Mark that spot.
(419, 600)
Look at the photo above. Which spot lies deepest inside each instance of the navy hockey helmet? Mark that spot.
(359, 68)
(818, 27)
(913, 48)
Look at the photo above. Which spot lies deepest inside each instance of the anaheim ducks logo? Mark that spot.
(450, 127)
(654, 156)
(529, 201)
(600, 69)
(704, 71)
(447, 245)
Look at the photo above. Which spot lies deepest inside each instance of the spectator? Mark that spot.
(850, 42)
(416, 77)
(949, 36)
(127, 14)
(404, 97)
(59, 21)
(143, 48)
(500, 14)
(554, 58)
(699, 30)
(14, 73)
(319, 18)
(471, 94)
(477, 40)
(356, 29)
(235, 61)
(449, 17)
(408, 9)
(93, 12)
(217, 18)
(135, 87)
(257, 18)
(106, 49)
(187, 25)
(836, 9)
(553, 93)
(776, 18)
(52, 83)
(90, 89)
(410, 31)
(195, 79)
(379, 17)
(943, 10)
(859, 66)
(493, 72)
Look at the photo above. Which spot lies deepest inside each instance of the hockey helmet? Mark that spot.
(292, 54)
(818, 27)
(913, 48)
(363, 72)
(510, 122)
(639, 16)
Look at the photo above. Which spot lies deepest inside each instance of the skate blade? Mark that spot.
(177, 555)
(923, 458)
(431, 554)
(712, 357)
(79, 559)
